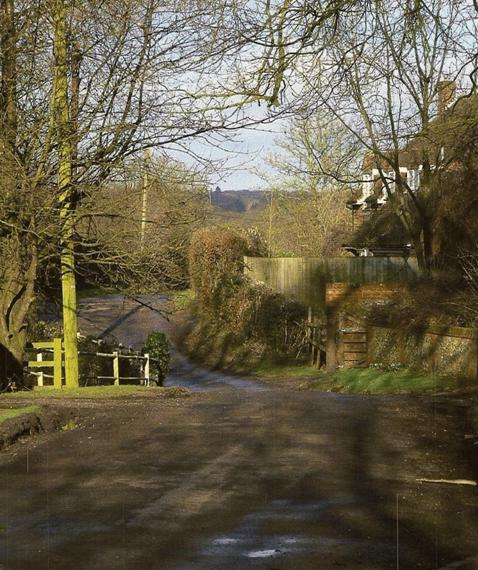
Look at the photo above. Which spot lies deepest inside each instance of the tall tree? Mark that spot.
(376, 67)
(66, 194)
(124, 79)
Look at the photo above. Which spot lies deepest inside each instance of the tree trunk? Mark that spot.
(17, 296)
(61, 117)
(18, 250)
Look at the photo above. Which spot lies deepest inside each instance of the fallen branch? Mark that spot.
(449, 481)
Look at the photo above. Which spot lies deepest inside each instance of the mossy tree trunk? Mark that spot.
(63, 130)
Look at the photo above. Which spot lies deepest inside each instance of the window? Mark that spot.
(413, 180)
(367, 186)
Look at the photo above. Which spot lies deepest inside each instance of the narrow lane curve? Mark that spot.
(130, 323)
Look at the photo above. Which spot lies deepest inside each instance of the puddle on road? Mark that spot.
(263, 553)
(251, 546)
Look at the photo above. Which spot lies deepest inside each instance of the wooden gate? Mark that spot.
(352, 347)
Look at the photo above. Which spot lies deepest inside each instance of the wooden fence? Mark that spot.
(55, 350)
(305, 279)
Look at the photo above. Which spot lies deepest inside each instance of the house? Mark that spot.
(435, 148)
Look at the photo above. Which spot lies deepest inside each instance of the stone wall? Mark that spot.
(347, 308)
(450, 351)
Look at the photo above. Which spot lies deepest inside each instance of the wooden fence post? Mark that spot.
(146, 370)
(331, 343)
(116, 368)
(40, 377)
(57, 363)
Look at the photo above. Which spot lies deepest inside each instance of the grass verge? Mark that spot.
(181, 300)
(85, 392)
(278, 370)
(374, 381)
(8, 414)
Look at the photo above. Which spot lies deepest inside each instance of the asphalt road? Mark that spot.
(241, 476)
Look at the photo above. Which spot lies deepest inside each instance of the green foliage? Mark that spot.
(157, 346)
(229, 304)
(216, 262)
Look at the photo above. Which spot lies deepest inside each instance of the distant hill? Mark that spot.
(238, 200)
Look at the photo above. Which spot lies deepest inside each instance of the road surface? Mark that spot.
(241, 476)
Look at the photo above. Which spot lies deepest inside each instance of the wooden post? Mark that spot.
(331, 346)
(40, 376)
(57, 362)
(116, 368)
(310, 335)
(146, 370)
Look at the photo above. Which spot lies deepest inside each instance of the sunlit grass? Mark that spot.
(181, 300)
(86, 392)
(7, 414)
(375, 381)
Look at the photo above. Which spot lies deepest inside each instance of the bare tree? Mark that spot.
(377, 67)
(97, 86)
(382, 79)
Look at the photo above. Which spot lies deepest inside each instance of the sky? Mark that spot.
(234, 162)
(248, 153)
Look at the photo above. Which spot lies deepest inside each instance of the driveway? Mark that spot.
(241, 476)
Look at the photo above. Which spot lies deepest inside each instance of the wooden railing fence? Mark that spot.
(55, 348)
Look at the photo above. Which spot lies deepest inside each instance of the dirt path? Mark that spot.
(243, 477)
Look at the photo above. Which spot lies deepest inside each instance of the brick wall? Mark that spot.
(440, 350)
(344, 293)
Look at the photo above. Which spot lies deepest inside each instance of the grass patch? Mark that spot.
(181, 300)
(71, 424)
(278, 370)
(8, 414)
(375, 381)
(86, 392)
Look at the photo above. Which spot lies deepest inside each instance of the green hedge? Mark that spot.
(230, 302)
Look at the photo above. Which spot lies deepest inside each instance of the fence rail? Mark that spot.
(55, 348)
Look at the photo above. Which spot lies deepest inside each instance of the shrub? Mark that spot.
(216, 262)
(157, 346)
(232, 306)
